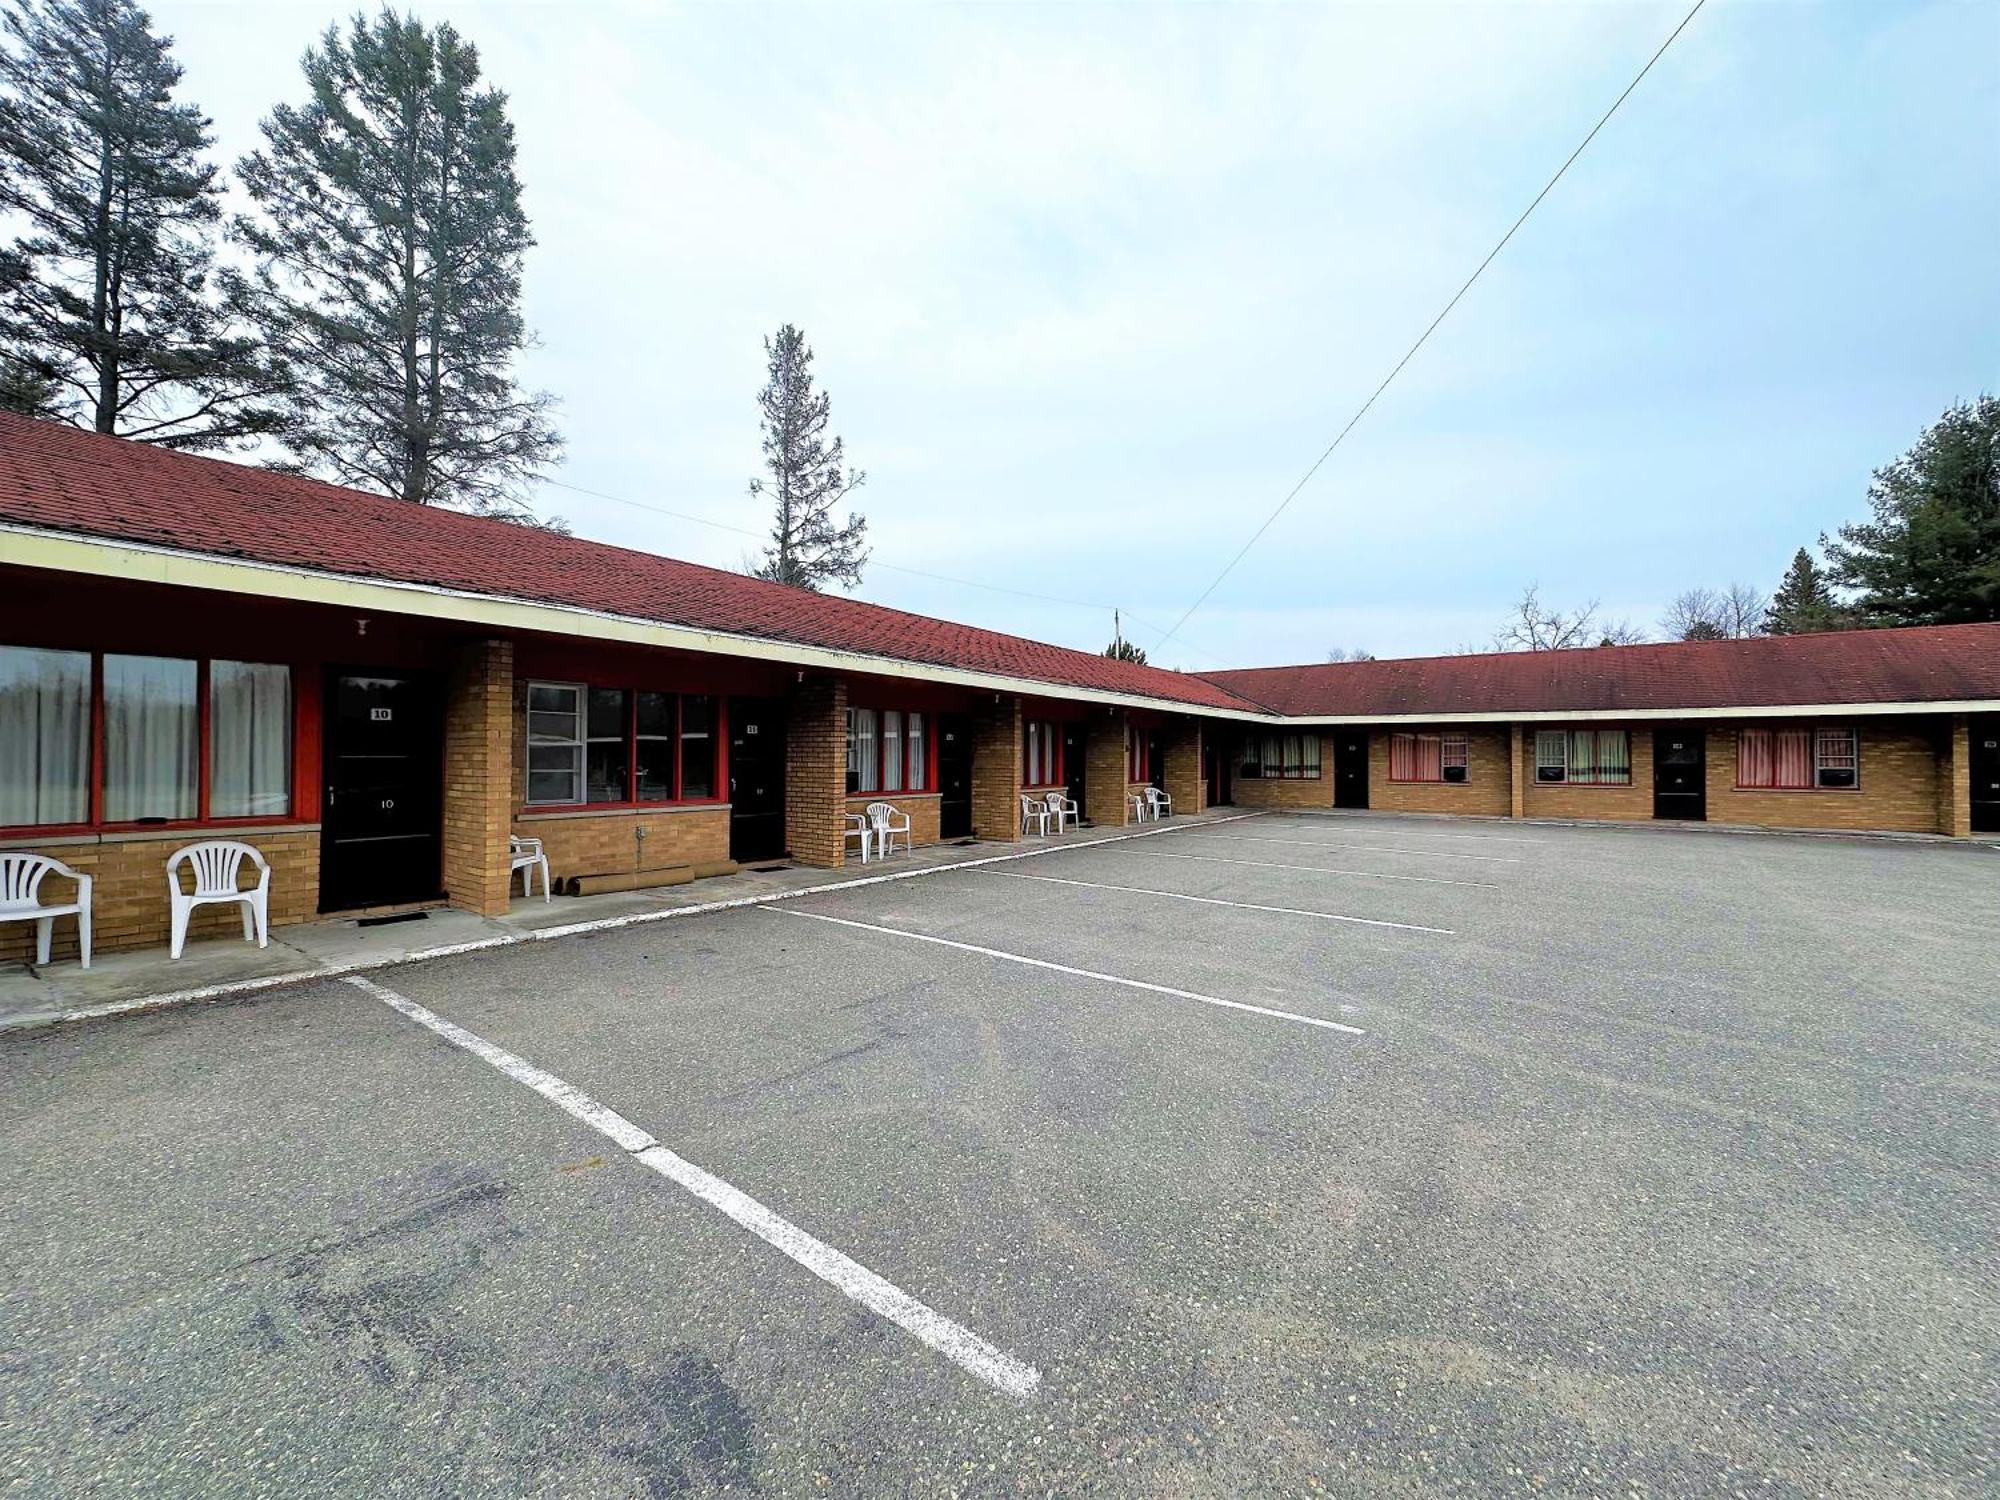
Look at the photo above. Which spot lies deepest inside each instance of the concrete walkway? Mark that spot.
(147, 979)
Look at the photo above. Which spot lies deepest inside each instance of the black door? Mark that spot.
(1986, 775)
(1215, 770)
(1350, 769)
(380, 815)
(1074, 764)
(1680, 774)
(1156, 762)
(954, 766)
(756, 779)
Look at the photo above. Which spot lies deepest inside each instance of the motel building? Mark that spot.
(375, 696)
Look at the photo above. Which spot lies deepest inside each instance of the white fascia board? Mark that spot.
(1621, 715)
(69, 552)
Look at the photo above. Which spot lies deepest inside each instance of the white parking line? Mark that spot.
(1264, 838)
(960, 1345)
(1270, 864)
(1043, 963)
(1316, 821)
(1285, 911)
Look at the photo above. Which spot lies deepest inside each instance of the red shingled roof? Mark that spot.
(1922, 664)
(63, 479)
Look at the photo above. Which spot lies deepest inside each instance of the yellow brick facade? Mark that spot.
(1629, 803)
(921, 808)
(1485, 792)
(1282, 794)
(1898, 791)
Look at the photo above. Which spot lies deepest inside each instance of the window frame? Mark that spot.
(1138, 755)
(297, 730)
(916, 753)
(1816, 760)
(718, 732)
(1054, 755)
(1567, 738)
(1454, 754)
(1268, 753)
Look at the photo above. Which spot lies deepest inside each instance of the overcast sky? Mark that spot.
(1092, 287)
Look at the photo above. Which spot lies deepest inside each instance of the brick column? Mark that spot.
(479, 776)
(1104, 769)
(1181, 750)
(1517, 742)
(816, 772)
(996, 769)
(1954, 772)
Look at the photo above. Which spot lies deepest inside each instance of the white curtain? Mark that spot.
(867, 764)
(44, 737)
(250, 740)
(149, 738)
(920, 763)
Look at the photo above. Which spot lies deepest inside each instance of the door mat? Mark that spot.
(963, 843)
(400, 916)
(767, 869)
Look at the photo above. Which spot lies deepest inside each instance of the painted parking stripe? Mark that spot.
(1265, 838)
(1043, 963)
(1272, 864)
(1409, 833)
(1283, 911)
(960, 1345)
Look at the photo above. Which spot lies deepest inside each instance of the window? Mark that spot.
(1138, 754)
(44, 737)
(887, 751)
(1429, 757)
(1584, 757)
(1798, 759)
(1288, 757)
(154, 718)
(599, 745)
(250, 740)
(1044, 762)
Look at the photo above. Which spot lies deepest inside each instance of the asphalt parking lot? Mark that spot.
(1365, 1155)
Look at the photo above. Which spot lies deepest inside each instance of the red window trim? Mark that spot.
(882, 752)
(718, 735)
(1057, 744)
(1138, 755)
(204, 756)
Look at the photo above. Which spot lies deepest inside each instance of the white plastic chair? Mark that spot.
(857, 828)
(216, 864)
(526, 856)
(1034, 814)
(21, 877)
(1060, 810)
(887, 823)
(1159, 803)
(1138, 802)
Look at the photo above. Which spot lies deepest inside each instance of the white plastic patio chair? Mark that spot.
(887, 823)
(1034, 814)
(1159, 803)
(526, 856)
(1137, 802)
(216, 864)
(1061, 810)
(858, 829)
(21, 877)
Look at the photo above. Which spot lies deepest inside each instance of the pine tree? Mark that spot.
(27, 391)
(1804, 601)
(389, 239)
(808, 477)
(1931, 556)
(105, 315)
(1121, 649)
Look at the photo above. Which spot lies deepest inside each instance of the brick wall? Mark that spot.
(618, 843)
(1104, 770)
(1487, 790)
(996, 769)
(129, 904)
(1281, 793)
(816, 772)
(1519, 772)
(921, 808)
(1954, 778)
(1633, 803)
(479, 776)
(1898, 791)
(1180, 744)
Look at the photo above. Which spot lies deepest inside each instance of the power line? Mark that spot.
(1547, 187)
(970, 583)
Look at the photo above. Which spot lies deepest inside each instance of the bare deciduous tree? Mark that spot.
(1349, 653)
(1534, 627)
(1724, 614)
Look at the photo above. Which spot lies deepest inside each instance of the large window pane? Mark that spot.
(920, 763)
(655, 747)
(250, 740)
(149, 738)
(44, 736)
(607, 762)
(697, 746)
(555, 742)
(867, 765)
(892, 751)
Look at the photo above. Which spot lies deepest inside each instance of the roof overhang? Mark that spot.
(99, 557)
(1632, 715)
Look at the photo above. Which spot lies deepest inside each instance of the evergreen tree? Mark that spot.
(1804, 601)
(389, 239)
(1121, 649)
(1931, 556)
(27, 391)
(105, 316)
(808, 477)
